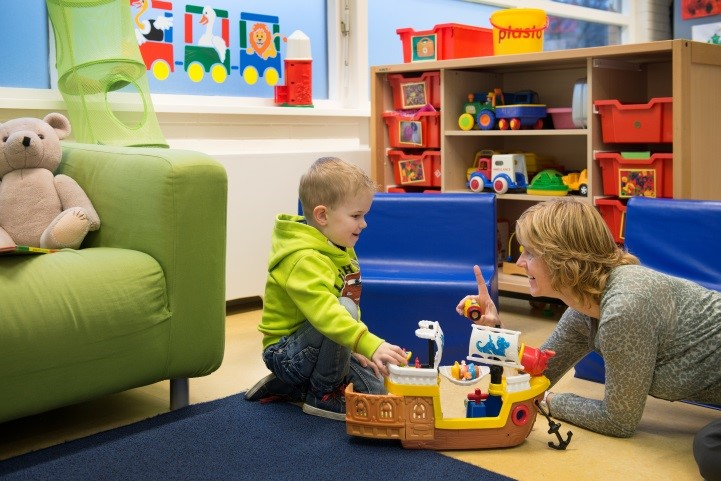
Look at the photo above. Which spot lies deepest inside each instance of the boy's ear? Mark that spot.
(320, 215)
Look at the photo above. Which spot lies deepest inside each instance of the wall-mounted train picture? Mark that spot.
(204, 43)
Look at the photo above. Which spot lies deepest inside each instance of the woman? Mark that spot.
(659, 335)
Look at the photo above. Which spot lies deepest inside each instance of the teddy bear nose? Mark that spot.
(26, 141)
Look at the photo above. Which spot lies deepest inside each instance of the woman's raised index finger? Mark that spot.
(482, 288)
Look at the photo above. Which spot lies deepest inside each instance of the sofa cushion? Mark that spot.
(114, 312)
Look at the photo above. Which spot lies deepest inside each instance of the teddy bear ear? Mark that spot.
(60, 123)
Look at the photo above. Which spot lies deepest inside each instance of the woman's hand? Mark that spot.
(488, 308)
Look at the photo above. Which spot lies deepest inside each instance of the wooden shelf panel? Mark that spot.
(513, 283)
(516, 133)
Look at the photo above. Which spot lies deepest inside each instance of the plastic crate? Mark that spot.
(562, 118)
(418, 170)
(634, 174)
(415, 92)
(421, 130)
(613, 212)
(445, 41)
(636, 123)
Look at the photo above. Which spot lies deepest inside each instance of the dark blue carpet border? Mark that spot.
(233, 439)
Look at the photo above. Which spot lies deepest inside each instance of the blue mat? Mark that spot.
(231, 439)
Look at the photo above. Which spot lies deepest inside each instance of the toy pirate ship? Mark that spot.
(411, 411)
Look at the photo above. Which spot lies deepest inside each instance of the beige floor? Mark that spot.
(661, 449)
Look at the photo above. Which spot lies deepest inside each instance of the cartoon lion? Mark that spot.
(262, 41)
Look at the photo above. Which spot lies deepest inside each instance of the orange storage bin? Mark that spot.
(422, 130)
(418, 170)
(445, 41)
(636, 123)
(415, 92)
(613, 212)
(647, 175)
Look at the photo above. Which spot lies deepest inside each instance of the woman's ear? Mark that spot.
(320, 215)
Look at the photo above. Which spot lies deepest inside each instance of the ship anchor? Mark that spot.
(553, 428)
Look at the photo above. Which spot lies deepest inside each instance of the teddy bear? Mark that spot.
(37, 207)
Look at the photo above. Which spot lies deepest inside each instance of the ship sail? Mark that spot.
(493, 345)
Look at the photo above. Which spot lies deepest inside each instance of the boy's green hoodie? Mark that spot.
(307, 276)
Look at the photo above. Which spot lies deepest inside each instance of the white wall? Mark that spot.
(264, 157)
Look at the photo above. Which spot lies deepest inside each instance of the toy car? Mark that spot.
(523, 111)
(577, 182)
(500, 172)
(472, 310)
(480, 114)
(506, 111)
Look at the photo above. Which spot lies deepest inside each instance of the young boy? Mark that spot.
(314, 342)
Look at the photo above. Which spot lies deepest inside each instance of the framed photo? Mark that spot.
(411, 171)
(414, 95)
(424, 48)
(411, 132)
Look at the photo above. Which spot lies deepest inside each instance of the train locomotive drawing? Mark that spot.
(207, 46)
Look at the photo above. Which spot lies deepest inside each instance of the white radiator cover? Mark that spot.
(260, 186)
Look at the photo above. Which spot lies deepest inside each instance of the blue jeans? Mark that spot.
(307, 358)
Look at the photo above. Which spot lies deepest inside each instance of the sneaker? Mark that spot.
(329, 405)
(270, 389)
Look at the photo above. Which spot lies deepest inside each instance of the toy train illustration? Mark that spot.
(206, 41)
(412, 411)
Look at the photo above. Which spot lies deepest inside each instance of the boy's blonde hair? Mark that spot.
(329, 182)
(575, 243)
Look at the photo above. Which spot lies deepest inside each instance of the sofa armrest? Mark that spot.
(171, 205)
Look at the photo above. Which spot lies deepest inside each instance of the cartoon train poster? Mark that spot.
(210, 48)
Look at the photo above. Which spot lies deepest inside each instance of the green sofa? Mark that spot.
(142, 300)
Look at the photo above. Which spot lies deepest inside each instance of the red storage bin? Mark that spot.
(422, 130)
(639, 123)
(630, 176)
(415, 92)
(418, 170)
(613, 212)
(445, 41)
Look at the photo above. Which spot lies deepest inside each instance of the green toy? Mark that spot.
(548, 182)
(101, 74)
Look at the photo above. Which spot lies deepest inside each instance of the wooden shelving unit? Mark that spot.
(690, 72)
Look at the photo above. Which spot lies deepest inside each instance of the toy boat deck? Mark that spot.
(412, 412)
(413, 415)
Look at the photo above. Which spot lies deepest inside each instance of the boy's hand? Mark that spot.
(388, 353)
(490, 314)
(365, 362)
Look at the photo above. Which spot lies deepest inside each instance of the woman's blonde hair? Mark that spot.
(329, 182)
(575, 243)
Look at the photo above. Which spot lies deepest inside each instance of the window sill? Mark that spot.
(51, 100)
